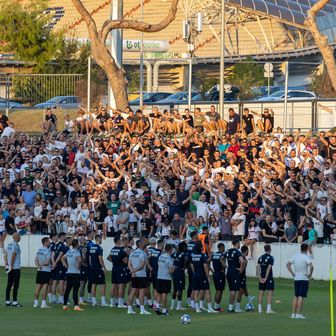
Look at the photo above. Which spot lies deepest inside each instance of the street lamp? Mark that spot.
(191, 28)
(222, 62)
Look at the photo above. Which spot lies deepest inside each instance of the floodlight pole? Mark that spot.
(286, 94)
(116, 44)
(89, 84)
(141, 58)
(222, 62)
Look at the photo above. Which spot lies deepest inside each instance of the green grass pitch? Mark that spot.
(101, 321)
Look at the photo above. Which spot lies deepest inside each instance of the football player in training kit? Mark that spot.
(43, 276)
(266, 281)
(89, 244)
(235, 264)
(180, 264)
(243, 287)
(72, 261)
(153, 261)
(218, 267)
(200, 277)
(165, 270)
(190, 250)
(59, 273)
(118, 257)
(84, 268)
(98, 270)
(137, 263)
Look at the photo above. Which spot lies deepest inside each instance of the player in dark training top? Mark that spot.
(180, 264)
(98, 270)
(190, 249)
(235, 263)
(218, 267)
(200, 277)
(266, 281)
(118, 257)
(59, 273)
(153, 260)
(243, 286)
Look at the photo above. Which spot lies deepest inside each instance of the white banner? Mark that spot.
(148, 45)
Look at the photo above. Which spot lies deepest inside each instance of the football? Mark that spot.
(185, 319)
(249, 307)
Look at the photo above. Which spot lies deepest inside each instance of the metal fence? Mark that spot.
(31, 89)
(305, 115)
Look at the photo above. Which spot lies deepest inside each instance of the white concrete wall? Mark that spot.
(323, 254)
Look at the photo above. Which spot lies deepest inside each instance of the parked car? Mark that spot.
(177, 98)
(292, 95)
(65, 102)
(151, 97)
(4, 103)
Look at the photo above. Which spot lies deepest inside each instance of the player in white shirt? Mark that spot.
(303, 270)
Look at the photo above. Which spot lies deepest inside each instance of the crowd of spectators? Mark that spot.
(167, 174)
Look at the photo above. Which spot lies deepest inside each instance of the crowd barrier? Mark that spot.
(323, 256)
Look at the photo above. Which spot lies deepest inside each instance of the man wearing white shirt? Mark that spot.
(303, 270)
(8, 131)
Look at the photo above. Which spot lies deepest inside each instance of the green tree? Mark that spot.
(205, 83)
(24, 31)
(247, 75)
(133, 78)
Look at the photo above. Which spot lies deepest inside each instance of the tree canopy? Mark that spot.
(25, 31)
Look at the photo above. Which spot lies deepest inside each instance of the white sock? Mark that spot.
(112, 301)
(179, 304)
(192, 303)
(201, 303)
(54, 298)
(14, 303)
(269, 307)
(209, 306)
(149, 302)
(81, 299)
(49, 297)
(103, 300)
(121, 302)
(164, 310)
(217, 306)
(238, 305)
(196, 306)
(44, 303)
(259, 307)
(94, 300)
(172, 305)
(137, 301)
(142, 308)
(129, 308)
(145, 300)
(61, 298)
(188, 301)
(36, 302)
(155, 303)
(8, 302)
(250, 299)
(230, 307)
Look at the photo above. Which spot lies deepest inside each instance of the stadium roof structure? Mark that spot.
(293, 12)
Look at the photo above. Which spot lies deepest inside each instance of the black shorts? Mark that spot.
(98, 277)
(268, 285)
(84, 274)
(163, 286)
(43, 278)
(219, 280)
(179, 280)
(59, 273)
(119, 275)
(200, 283)
(301, 288)
(140, 283)
(242, 281)
(233, 279)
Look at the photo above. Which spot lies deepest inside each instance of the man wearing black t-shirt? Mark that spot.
(248, 121)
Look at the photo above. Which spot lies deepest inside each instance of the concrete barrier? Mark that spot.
(324, 255)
